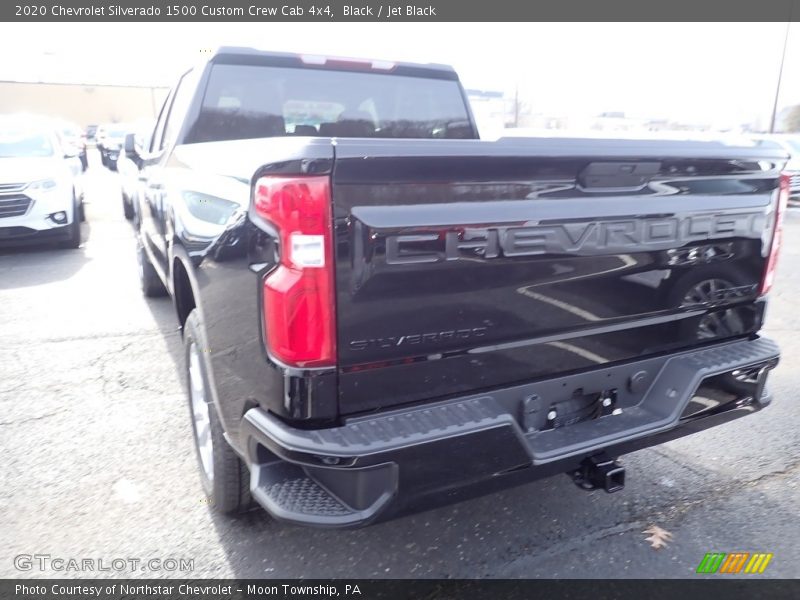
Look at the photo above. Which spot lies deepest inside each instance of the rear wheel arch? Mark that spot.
(224, 475)
(183, 291)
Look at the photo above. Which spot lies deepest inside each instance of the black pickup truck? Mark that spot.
(382, 312)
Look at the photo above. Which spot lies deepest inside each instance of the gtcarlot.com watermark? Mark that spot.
(47, 562)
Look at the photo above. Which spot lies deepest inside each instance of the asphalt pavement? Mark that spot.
(98, 462)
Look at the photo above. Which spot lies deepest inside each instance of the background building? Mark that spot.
(82, 104)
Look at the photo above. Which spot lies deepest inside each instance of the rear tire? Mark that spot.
(74, 229)
(127, 207)
(224, 476)
(137, 222)
(152, 287)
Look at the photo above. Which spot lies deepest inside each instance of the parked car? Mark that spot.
(99, 135)
(71, 147)
(91, 132)
(128, 163)
(73, 139)
(40, 197)
(109, 143)
(379, 310)
(790, 143)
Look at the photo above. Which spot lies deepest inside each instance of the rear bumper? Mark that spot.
(373, 466)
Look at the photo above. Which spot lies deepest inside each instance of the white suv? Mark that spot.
(40, 197)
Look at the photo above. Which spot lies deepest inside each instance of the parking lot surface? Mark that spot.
(98, 459)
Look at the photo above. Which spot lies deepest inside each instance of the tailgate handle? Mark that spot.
(617, 175)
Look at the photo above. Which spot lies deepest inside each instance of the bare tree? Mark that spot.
(519, 109)
(792, 119)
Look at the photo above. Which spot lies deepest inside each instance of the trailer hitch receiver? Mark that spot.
(600, 471)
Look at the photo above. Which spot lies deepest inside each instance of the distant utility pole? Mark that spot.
(780, 76)
(516, 105)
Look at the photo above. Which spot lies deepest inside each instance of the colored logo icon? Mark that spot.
(736, 562)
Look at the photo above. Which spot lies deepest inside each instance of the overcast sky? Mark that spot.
(717, 73)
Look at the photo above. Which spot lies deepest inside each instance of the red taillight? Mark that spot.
(777, 235)
(299, 315)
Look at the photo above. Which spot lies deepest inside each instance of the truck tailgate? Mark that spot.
(468, 265)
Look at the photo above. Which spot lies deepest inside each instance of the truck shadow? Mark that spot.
(490, 536)
(487, 536)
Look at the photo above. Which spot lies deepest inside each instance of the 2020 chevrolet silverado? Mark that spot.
(381, 311)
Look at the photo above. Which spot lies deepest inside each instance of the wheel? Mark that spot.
(137, 221)
(127, 207)
(701, 286)
(152, 286)
(74, 229)
(225, 478)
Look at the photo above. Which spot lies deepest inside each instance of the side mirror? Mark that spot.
(130, 146)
